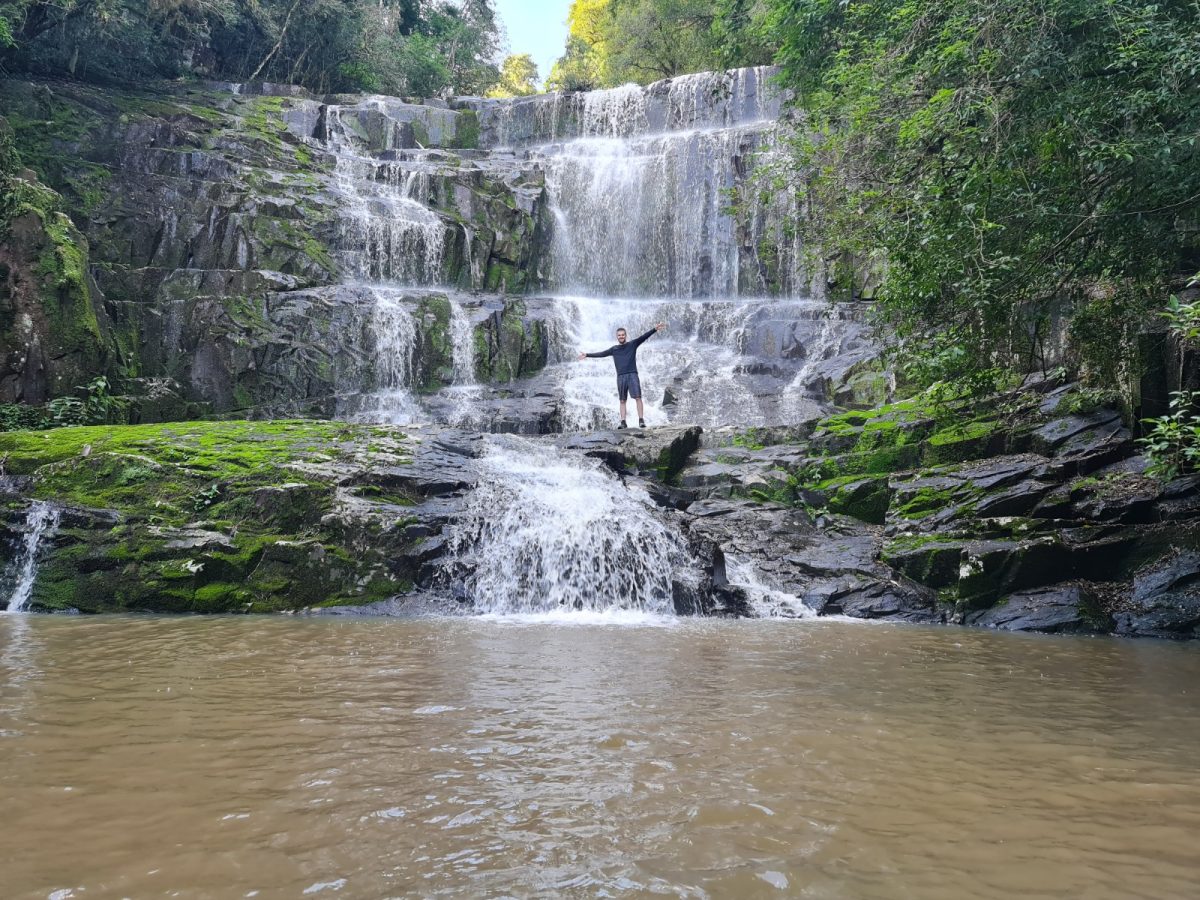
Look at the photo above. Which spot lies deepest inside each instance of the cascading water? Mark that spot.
(41, 521)
(718, 361)
(386, 233)
(765, 601)
(462, 344)
(394, 334)
(639, 184)
(641, 195)
(550, 531)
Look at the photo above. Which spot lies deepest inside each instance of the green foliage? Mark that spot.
(404, 47)
(1088, 400)
(1172, 442)
(206, 497)
(614, 41)
(1013, 163)
(518, 77)
(1184, 319)
(95, 405)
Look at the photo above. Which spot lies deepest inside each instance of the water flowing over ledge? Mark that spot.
(393, 265)
(547, 531)
(41, 522)
(705, 100)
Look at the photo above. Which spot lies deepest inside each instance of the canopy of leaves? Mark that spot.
(615, 41)
(404, 47)
(1001, 167)
(518, 77)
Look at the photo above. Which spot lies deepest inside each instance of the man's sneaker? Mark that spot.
(641, 423)
(622, 425)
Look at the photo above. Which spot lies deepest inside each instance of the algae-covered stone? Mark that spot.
(215, 516)
(51, 340)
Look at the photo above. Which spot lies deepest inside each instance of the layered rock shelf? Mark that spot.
(386, 300)
(1033, 515)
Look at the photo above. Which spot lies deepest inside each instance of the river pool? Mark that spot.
(591, 756)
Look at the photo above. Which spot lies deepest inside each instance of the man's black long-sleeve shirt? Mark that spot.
(624, 355)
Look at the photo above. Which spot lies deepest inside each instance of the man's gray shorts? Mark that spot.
(629, 386)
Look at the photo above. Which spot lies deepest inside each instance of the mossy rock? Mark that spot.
(211, 516)
(864, 499)
(959, 443)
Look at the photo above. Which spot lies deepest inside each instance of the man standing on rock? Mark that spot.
(624, 354)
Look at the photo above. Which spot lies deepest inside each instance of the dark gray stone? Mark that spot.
(1165, 601)
(1059, 609)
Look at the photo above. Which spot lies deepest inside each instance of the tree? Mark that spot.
(1010, 165)
(405, 47)
(518, 77)
(610, 42)
(743, 33)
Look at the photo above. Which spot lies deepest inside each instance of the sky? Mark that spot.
(536, 27)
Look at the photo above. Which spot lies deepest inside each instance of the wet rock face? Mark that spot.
(197, 208)
(362, 512)
(51, 314)
(1013, 515)
(1165, 601)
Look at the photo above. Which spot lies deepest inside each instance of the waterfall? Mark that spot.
(385, 230)
(549, 531)
(462, 344)
(765, 601)
(641, 191)
(393, 334)
(718, 361)
(700, 100)
(648, 216)
(41, 521)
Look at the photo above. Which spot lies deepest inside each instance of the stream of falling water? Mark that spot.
(714, 364)
(548, 532)
(639, 183)
(642, 196)
(386, 232)
(41, 521)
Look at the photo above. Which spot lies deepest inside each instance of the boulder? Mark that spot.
(1165, 599)
(1058, 609)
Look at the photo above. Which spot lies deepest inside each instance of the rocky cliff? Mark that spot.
(225, 253)
(200, 216)
(1029, 513)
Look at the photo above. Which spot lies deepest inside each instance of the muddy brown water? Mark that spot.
(290, 757)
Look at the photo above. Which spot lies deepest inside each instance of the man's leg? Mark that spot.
(622, 410)
(641, 410)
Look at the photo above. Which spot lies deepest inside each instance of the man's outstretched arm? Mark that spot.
(637, 342)
(599, 355)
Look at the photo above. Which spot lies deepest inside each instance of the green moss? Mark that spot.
(928, 500)
(420, 132)
(466, 131)
(261, 119)
(864, 500)
(883, 418)
(215, 516)
(932, 560)
(437, 343)
(751, 439)
(957, 443)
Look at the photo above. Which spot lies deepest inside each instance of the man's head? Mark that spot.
(621, 335)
